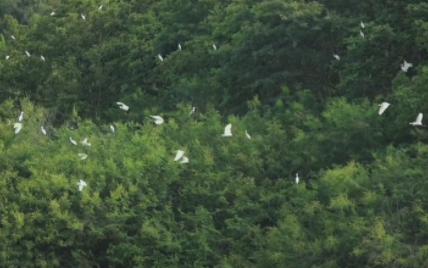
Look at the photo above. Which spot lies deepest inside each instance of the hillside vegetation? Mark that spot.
(84, 183)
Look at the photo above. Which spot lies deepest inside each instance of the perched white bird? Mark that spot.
(178, 155)
(214, 47)
(7, 57)
(112, 128)
(13, 37)
(43, 130)
(82, 184)
(157, 119)
(100, 7)
(227, 131)
(184, 160)
(247, 135)
(21, 117)
(83, 16)
(27, 53)
(383, 106)
(405, 66)
(160, 57)
(337, 57)
(18, 127)
(362, 25)
(52, 13)
(193, 110)
(179, 46)
(42, 58)
(418, 121)
(85, 142)
(82, 156)
(362, 34)
(122, 106)
(72, 141)
(297, 179)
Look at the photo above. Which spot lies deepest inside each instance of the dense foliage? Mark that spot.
(268, 67)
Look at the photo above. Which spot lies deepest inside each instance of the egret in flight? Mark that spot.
(122, 106)
(18, 127)
(405, 66)
(337, 57)
(158, 120)
(178, 155)
(82, 156)
(227, 131)
(85, 142)
(82, 184)
(418, 121)
(382, 107)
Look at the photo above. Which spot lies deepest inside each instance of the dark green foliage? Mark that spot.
(362, 200)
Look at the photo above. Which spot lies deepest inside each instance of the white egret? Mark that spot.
(100, 8)
(43, 130)
(362, 25)
(21, 117)
(83, 16)
(82, 156)
(297, 179)
(214, 47)
(72, 141)
(82, 184)
(7, 57)
(27, 53)
(405, 66)
(418, 121)
(42, 58)
(383, 106)
(112, 128)
(122, 106)
(193, 110)
(337, 57)
(52, 13)
(227, 131)
(178, 155)
(18, 127)
(160, 57)
(13, 37)
(247, 135)
(158, 120)
(85, 142)
(362, 34)
(179, 46)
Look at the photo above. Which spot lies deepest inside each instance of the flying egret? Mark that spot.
(184, 160)
(42, 58)
(337, 57)
(158, 120)
(82, 184)
(113, 130)
(85, 142)
(362, 34)
(227, 131)
(160, 57)
(7, 57)
(179, 46)
(72, 141)
(43, 130)
(362, 25)
(122, 106)
(13, 37)
(418, 121)
(83, 16)
(179, 154)
(82, 156)
(27, 53)
(247, 135)
(382, 107)
(21, 117)
(405, 66)
(18, 127)
(297, 179)
(214, 47)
